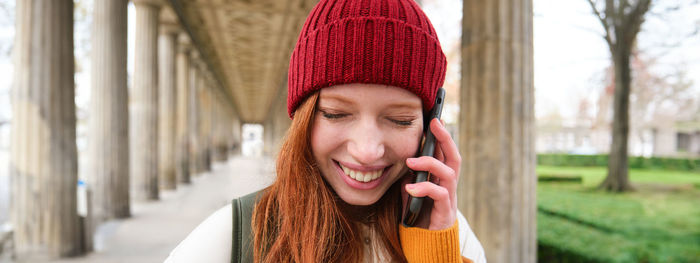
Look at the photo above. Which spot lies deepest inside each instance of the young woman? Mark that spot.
(362, 76)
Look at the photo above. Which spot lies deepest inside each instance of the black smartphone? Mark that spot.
(416, 203)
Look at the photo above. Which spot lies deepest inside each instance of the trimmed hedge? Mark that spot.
(560, 178)
(635, 162)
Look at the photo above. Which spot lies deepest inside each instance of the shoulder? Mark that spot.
(208, 242)
(469, 245)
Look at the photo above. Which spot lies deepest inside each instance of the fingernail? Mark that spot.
(410, 160)
(411, 190)
(438, 122)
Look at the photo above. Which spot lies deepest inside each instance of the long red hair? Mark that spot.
(299, 218)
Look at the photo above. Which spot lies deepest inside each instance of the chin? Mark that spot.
(353, 199)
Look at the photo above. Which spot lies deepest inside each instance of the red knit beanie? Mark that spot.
(388, 42)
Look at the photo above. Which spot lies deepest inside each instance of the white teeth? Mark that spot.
(360, 176)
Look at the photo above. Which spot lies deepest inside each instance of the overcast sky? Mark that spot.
(570, 54)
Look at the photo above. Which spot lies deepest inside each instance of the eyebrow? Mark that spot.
(337, 98)
(397, 105)
(404, 105)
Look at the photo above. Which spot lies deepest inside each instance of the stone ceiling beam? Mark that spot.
(178, 8)
(247, 44)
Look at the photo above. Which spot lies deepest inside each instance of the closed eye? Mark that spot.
(402, 122)
(328, 115)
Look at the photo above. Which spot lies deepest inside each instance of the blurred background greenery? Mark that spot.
(577, 222)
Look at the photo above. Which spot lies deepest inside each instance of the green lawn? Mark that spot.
(660, 222)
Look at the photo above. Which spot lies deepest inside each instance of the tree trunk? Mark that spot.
(618, 179)
(43, 155)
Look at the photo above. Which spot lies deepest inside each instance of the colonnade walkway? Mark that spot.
(155, 228)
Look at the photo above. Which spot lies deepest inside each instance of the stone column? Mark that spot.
(281, 119)
(221, 125)
(268, 134)
(208, 116)
(205, 123)
(193, 107)
(224, 129)
(235, 133)
(108, 135)
(209, 121)
(227, 130)
(144, 98)
(215, 128)
(229, 133)
(277, 122)
(43, 154)
(167, 100)
(182, 151)
(282, 123)
(498, 182)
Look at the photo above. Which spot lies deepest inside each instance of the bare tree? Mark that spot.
(621, 20)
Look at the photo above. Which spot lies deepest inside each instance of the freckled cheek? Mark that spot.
(324, 140)
(406, 145)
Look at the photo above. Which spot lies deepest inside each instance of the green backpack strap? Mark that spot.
(236, 225)
(241, 247)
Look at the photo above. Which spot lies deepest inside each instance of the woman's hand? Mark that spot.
(442, 187)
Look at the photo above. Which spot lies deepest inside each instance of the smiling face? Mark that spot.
(361, 137)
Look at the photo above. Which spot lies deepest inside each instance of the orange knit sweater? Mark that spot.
(428, 246)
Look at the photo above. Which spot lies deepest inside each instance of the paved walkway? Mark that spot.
(155, 228)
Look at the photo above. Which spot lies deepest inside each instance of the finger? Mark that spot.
(442, 202)
(447, 145)
(444, 173)
(439, 154)
(434, 179)
(404, 195)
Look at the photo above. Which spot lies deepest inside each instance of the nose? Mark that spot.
(366, 144)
